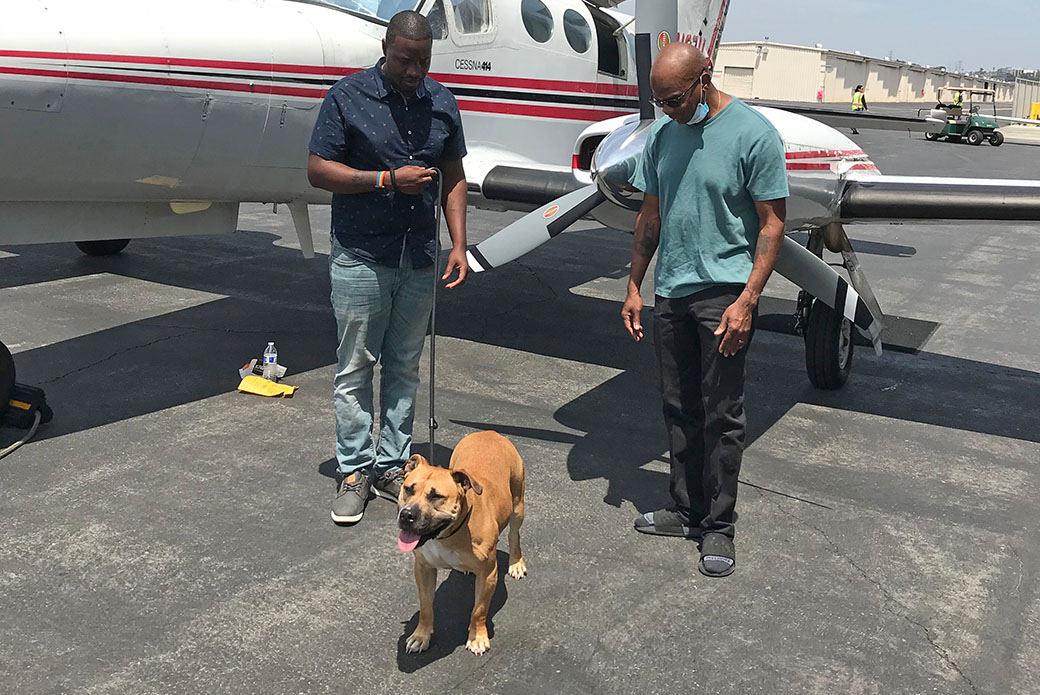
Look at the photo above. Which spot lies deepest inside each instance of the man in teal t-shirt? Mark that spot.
(714, 179)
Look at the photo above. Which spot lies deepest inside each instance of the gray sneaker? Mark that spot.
(352, 495)
(388, 485)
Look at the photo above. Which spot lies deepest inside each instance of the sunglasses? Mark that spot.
(672, 102)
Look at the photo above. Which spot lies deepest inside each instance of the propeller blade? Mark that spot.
(807, 270)
(533, 229)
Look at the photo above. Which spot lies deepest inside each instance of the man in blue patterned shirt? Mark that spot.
(379, 137)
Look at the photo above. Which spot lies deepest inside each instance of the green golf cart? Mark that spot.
(964, 120)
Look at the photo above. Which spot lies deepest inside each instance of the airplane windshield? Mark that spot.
(375, 9)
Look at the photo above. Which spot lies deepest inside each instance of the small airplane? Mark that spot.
(134, 118)
(832, 184)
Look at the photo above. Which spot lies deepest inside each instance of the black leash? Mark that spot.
(433, 308)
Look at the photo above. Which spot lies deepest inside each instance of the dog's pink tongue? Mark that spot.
(407, 541)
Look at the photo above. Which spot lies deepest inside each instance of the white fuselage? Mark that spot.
(138, 100)
(111, 109)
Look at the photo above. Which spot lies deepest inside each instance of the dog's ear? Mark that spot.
(415, 460)
(466, 483)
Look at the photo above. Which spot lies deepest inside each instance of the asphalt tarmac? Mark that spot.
(167, 534)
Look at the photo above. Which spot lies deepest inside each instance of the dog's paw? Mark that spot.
(479, 644)
(418, 642)
(518, 570)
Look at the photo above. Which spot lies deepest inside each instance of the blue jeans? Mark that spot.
(381, 316)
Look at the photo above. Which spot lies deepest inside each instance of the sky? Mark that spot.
(978, 34)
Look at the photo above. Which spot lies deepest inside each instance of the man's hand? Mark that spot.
(456, 261)
(735, 326)
(411, 180)
(630, 312)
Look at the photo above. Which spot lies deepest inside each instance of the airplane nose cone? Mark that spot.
(616, 158)
(613, 165)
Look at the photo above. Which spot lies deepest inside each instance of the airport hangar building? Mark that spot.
(782, 72)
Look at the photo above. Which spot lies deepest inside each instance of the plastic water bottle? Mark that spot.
(271, 363)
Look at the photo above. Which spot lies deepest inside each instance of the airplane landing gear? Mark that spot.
(103, 247)
(828, 332)
(828, 345)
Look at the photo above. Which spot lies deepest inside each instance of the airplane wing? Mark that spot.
(934, 198)
(1011, 119)
(868, 121)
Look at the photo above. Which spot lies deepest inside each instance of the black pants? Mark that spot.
(703, 399)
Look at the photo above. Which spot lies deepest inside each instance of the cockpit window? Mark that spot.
(374, 9)
(472, 16)
(437, 24)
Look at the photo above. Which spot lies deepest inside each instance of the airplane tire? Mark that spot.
(6, 376)
(103, 247)
(828, 347)
(997, 139)
(975, 137)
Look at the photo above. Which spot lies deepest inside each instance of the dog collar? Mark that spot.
(461, 524)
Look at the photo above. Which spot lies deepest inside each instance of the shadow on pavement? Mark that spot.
(452, 605)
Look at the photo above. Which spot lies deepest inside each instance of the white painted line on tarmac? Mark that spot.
(49, 312)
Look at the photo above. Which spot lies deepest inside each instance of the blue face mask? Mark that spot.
(701, 112)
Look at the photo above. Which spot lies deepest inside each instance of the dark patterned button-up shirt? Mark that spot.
(366, 124)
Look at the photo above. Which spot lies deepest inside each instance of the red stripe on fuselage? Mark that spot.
(590, 115)
(537, 111)
(825, 166)
(546, 85)
(814, 154)
(482, 80)
(254, 88)
(182, 62)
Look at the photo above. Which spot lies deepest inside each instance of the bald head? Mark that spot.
(678, 62)
(680, 81)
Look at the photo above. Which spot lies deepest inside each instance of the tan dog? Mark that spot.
(452, 518)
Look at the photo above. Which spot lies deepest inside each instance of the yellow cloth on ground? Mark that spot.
(263, 387)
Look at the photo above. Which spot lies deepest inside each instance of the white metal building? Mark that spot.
(781, 72)
(1027, 99)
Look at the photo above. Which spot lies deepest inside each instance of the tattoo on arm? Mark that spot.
(356, 178)
(765, 245)
(646, 244)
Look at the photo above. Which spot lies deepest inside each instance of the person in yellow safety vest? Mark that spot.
(859, 103)
(859, 100)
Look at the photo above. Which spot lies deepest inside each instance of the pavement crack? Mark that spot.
(478, 670)
(487, 318)
(1021, 568)
(117, 353)
(929, 635)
